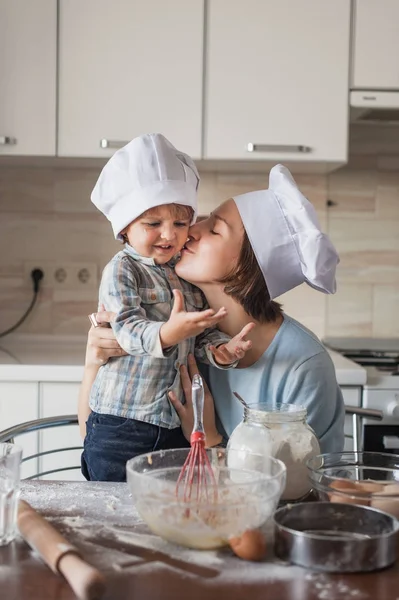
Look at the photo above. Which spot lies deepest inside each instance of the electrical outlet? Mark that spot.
(72, 276)
(64, 275)
(85, 276)
(45, 266)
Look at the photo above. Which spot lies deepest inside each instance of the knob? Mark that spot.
(393, 407)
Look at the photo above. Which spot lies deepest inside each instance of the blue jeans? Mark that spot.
(111, 441)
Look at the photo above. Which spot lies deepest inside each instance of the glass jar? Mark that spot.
(280, 431)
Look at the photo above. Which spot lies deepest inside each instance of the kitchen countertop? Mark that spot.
(348, 372)
(42, 358)
(100, 519)
(61, 358)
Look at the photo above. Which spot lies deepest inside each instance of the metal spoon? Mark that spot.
(241, 399)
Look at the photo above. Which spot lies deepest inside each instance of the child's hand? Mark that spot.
(182, 324)
(235, 349)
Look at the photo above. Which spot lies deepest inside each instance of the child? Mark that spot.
(148, 190)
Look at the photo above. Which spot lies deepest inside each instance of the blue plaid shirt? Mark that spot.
(136, 386)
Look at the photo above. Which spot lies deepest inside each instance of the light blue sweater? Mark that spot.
(295, 369)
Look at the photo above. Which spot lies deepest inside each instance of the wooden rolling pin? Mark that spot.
(86, 581)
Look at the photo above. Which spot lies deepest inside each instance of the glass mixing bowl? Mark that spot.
(365, 478)
(245, 498)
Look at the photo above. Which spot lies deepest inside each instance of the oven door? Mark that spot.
(381, 438)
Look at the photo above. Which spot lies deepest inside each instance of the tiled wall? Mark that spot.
(47, 220)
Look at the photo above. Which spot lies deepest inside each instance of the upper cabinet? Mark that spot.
(128, 67)
(28, 59)
(277, 75)
(375, 45)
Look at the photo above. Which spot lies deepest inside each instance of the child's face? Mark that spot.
(160, 232)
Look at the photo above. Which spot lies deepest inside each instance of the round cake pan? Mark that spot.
(334, 537)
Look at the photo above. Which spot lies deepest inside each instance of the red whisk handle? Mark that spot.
(197, 436)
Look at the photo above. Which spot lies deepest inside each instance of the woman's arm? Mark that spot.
(89, 376)
(185, 411)
(101, 345)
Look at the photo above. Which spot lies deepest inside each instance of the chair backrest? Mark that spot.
(9, 435)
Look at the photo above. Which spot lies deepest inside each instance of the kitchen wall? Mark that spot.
(47, 220)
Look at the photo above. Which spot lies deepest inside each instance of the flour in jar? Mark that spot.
(294, 448)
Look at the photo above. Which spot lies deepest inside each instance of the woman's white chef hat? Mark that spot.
(285, 235)
(145, 173)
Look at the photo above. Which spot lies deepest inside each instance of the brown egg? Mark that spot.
(347, 486)
(251, 545)
(370, 487)
(390, 504)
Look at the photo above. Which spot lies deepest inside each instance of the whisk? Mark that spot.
(197, 473)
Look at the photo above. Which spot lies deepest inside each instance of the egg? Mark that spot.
(370, 487)
(251, 545)
(389, 504)
(346, 486)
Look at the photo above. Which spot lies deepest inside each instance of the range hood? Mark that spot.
(374, 108)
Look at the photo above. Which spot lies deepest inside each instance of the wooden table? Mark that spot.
(100, 519)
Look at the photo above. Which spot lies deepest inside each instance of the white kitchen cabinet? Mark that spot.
(60, 399)
(375, 47)
(19, 403)
(276, 82)
(28, 58)
(128, 67)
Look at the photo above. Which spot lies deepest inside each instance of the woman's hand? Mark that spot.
(185, 411)
(101, 341)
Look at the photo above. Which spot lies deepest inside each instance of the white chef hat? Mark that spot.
(285, 236)
(145, 173)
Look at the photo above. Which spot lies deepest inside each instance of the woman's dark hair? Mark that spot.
(247, 286)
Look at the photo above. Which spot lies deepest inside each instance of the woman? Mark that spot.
(252, 249)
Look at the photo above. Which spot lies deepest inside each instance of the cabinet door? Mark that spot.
(19, 403)
(128, 67)
(28, 57)
(277, 80)
(60, 399)
(376, 44)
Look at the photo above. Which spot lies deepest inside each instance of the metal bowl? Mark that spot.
(328, 536)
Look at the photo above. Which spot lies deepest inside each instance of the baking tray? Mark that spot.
(335, 537)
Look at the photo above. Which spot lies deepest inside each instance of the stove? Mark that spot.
(380, 357)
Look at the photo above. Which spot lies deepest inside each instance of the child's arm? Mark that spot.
(182, 324)
(214, 347)
(235, 349)
(134, 331)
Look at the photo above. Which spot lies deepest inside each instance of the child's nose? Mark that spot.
(168, 232)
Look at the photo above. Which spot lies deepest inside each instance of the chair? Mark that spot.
(9, 434)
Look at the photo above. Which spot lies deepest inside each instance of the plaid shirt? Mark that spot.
(136, 386)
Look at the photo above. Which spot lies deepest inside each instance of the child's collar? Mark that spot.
(146, 260)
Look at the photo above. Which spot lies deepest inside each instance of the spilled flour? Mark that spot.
(101, 520)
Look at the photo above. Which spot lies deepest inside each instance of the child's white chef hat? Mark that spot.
(145, 173)
(285, 235)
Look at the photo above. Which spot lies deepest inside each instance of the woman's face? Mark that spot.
(214, 246)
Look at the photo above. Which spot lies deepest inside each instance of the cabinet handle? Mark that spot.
(112, 144)
(5, 140)
(277, 148)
